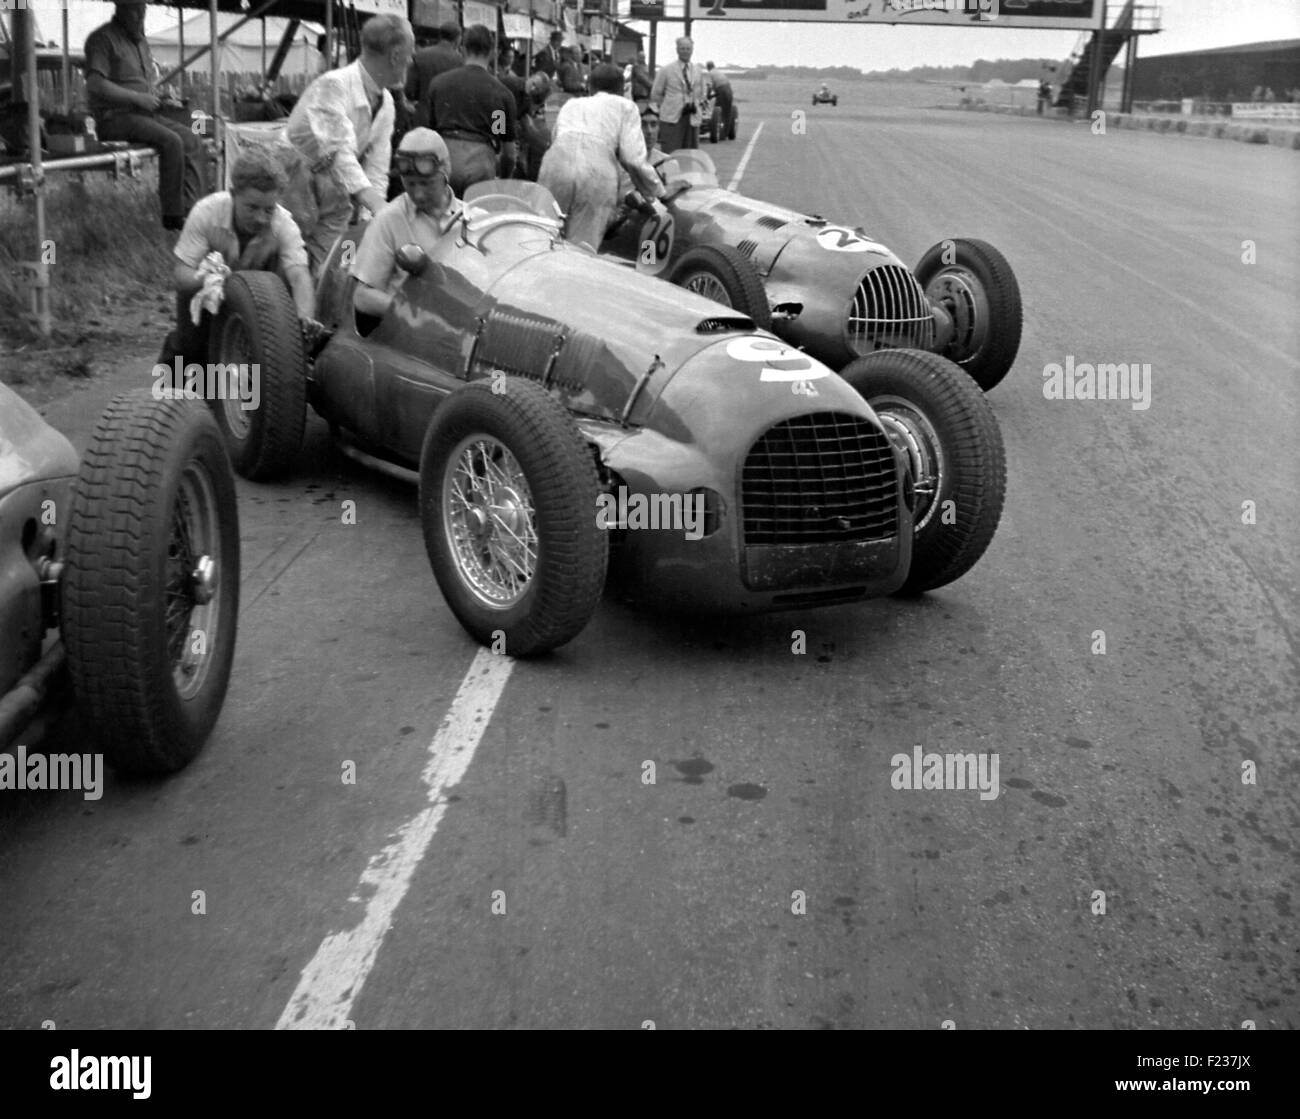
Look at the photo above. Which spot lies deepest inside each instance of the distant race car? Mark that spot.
(829, 289)
(532, 385)
(120, 576)
(824, 96)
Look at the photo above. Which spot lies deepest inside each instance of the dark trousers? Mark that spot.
(179, 182)
(679, 134)
(723, 95)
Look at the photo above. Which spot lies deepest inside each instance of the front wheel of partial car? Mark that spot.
(937, 416)
(150, 591)
(256, 338)
(727, 276)
(508, 505)
(975, 285)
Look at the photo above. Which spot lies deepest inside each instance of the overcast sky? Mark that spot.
(1188, 25)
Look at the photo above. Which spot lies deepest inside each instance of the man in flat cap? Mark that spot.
(120, 89)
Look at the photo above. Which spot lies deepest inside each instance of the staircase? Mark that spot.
(1074, 88)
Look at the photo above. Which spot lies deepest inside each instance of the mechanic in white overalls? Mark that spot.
(593, 136)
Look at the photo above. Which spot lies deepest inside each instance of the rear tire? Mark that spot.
(257, 327)
(508, 505)
(937, 415)
(725, 275)
(152, 576)
(978, 288)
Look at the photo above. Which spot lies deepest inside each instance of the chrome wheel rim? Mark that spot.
(709, 286)
(490, 521)
(192, 619)
(960, 292)
(913, 434)
(235, 349)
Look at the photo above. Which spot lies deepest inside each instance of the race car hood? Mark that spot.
(738, 386)
(624, 337)
(30, 450)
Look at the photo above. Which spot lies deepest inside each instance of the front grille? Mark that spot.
(889, 311)
(822, 478)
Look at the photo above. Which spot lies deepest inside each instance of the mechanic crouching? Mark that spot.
(237, 230)
(421, 215)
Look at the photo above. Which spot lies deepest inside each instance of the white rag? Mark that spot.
(208, 298)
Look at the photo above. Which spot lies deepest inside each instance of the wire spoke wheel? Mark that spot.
(193, 606)
(490, 521)
(709, 286)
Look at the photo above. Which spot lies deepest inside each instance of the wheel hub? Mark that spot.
(960, 293)
(910, 431)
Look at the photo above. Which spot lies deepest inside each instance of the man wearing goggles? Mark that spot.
(421, 215)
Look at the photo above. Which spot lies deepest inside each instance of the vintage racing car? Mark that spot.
(824, 96)
(835, 292)
(119, 577)
(533, 385)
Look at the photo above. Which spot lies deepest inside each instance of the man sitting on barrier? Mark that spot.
(120, 92)
(237, 230)
(421, 215)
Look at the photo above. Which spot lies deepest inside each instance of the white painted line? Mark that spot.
(744, 159)
(332, 980)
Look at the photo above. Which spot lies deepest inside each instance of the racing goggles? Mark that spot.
(409, 164)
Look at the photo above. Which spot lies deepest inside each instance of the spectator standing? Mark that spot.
(534, 131)
(429, 62)
(475, 114)
(120, 89)
(677, 93)
(569, 75)
(343, 127)
(642, 83)
(593, 136)
(547, 60)
(720, 84)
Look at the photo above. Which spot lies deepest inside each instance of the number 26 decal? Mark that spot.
(656, 243)
(837, 239)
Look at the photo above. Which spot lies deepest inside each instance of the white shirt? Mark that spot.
(211, 227)
(397, 224)
(333, 119)
(613, 123)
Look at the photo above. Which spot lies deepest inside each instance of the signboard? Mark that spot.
(647, 9)
(474, 12)
(386, 7)
(1058, 15)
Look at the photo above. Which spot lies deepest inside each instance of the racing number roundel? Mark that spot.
(655, 243)
(837, 239)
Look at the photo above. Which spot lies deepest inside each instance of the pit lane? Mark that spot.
(676, 902)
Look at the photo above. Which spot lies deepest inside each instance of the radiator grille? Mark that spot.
(889, 311)
(821, 478)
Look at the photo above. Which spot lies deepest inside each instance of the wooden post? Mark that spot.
(36, 272)
(215, 65)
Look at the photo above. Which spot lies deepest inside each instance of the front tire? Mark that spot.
(938, 417)
(151, 586)
(976, 286)
(257, 330)
(725, 275)
(508, 505)
(715, 125)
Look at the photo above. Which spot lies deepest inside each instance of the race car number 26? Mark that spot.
(656, 243)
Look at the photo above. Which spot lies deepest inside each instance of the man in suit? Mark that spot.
(547, 60)
(678, 93)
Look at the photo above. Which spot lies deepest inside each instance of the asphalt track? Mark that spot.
(626, 902)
